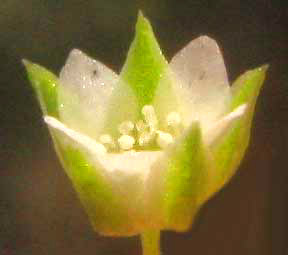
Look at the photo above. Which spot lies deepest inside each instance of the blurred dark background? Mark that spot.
(39, 211)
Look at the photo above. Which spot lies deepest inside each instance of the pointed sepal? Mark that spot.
(229, 150)
(45, 84)
(145, 63)
(144, 80)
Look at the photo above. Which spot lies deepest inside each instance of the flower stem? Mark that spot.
(151, 242)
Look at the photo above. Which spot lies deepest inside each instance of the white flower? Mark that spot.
(146, 148)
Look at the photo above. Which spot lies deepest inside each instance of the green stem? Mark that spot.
(150, 242)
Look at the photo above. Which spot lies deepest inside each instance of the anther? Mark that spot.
(126, 142)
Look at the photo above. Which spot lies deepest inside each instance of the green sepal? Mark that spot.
(145, 63)
(45, 84)
(246, 88)
(108, 215)
(230, 149)
(145, 79)
(184, 180)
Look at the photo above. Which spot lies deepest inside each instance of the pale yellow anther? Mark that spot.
(150, 117)
(107, 140)
(126, 142)
(126, 127)
(164, 139)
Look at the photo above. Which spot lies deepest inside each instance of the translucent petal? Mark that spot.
(200, 70)
(130, 162)
(86, 86)
(83, 140)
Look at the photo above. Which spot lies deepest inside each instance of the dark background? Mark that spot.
(39, 211)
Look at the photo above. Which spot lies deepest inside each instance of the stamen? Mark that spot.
(126, 142)
(164, 139)
(145, 131)
(150, 117)
(126, 127)
(141, 126)
(107, 140)
(145, 138)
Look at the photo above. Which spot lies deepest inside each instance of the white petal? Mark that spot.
(203, 80)
(220, 127)
(131, 163)
(86, 86)
(79, 139)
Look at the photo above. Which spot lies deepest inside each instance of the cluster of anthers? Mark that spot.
(144, 133)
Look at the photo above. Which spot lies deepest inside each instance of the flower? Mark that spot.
(146, 148)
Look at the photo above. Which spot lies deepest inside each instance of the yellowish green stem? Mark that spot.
(151, 242)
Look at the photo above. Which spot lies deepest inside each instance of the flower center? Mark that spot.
(144, 134)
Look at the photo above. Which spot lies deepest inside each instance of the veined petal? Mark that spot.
(204, 85)
(86, 87)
